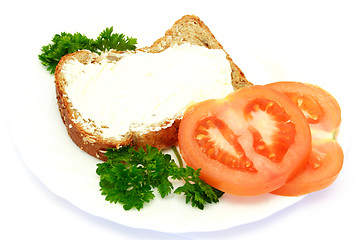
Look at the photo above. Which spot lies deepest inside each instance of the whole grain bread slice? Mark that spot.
(189, 29)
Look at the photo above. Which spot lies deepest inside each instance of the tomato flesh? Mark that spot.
(276, 148)
(219, 143)
(249, 143)
(324, 117)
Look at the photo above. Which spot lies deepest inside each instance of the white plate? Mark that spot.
(70, 173)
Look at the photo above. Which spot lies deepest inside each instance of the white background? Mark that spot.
(309, 41)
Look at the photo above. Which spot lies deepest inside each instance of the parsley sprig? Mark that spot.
(130, 176)
(65, 43)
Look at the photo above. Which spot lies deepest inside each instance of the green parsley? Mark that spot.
(66, 43)
(130, 176)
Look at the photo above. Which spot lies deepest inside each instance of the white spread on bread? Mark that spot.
(142, 90)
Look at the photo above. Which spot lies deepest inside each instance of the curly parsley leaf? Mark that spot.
(129, 177)
(66, 43)
(124, 185)
(108, 40)
(62, 44)
(196, 190)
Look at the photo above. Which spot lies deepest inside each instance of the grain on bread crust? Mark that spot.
(188, 29)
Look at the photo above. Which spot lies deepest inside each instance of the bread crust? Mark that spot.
(188, 29)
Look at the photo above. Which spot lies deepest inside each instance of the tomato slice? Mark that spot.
(248, 143)
(325, 163)
(320, 108)
(324, 116)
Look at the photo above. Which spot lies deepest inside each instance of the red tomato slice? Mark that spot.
(320, 108)
(324, 116)
(324, 166)
(249, 143)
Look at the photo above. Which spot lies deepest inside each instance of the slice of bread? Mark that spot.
(88, 135)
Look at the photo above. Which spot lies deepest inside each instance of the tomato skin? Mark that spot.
(269, 175)
(324, 117)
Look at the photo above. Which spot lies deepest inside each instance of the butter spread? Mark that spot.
(142, 90)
